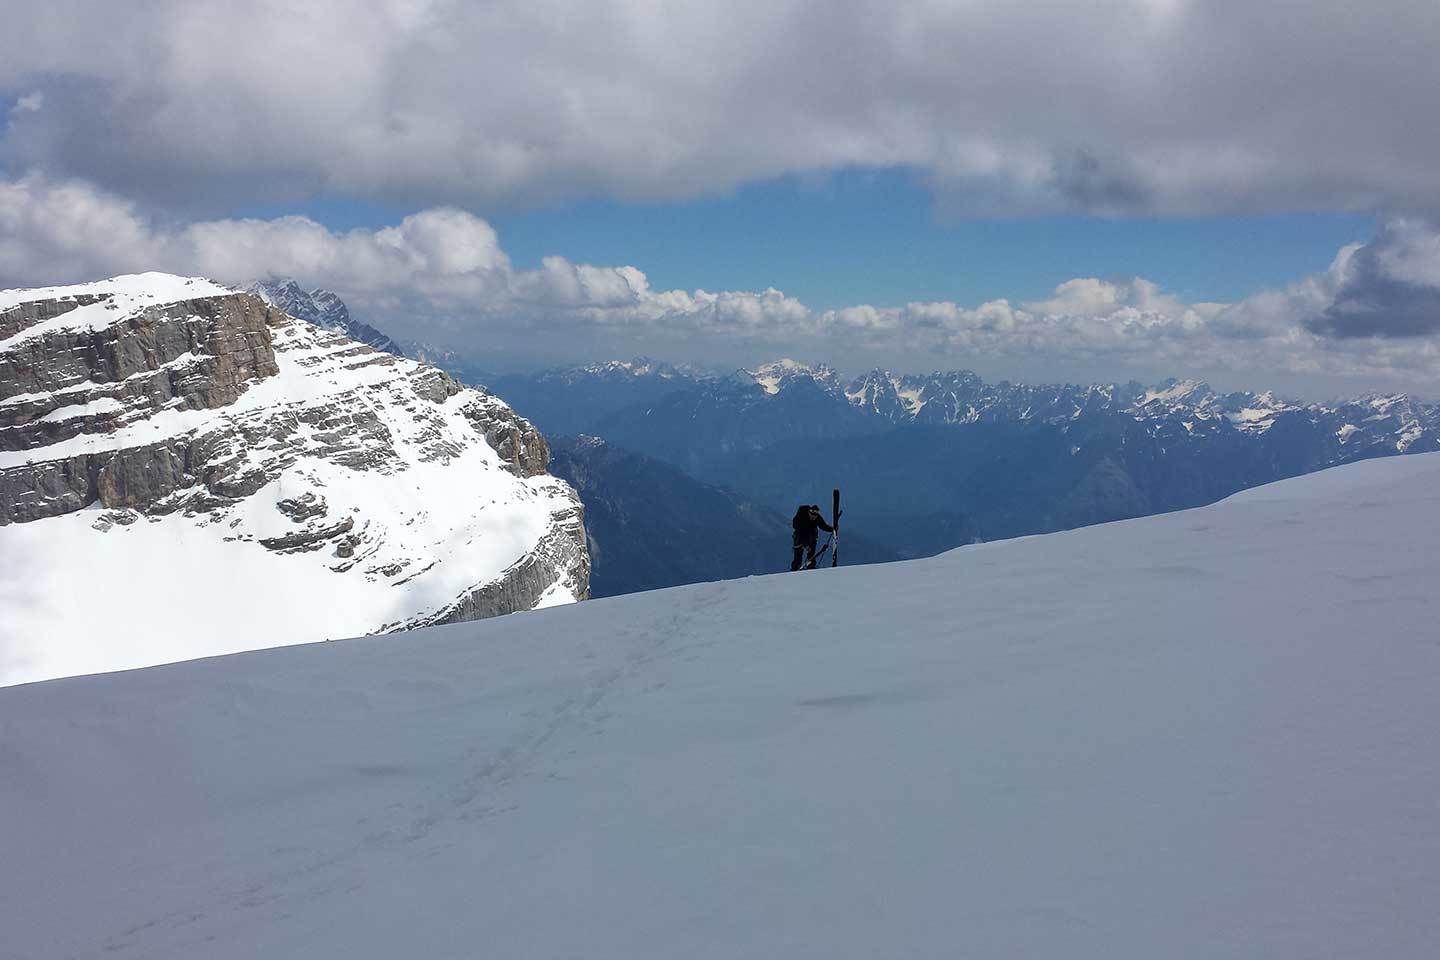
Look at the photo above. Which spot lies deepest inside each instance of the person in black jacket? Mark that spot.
(807, 525)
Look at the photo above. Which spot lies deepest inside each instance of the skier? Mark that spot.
(807, 524)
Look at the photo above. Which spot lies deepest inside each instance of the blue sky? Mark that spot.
(877, 237)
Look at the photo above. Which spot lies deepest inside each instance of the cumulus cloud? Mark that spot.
(1389, 287)
(72, 230)
(1113, 107)
(442, 275)
(439, 272)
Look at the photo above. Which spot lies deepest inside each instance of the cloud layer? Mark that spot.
(442, 276)
(1387, 288)
(1111, 107)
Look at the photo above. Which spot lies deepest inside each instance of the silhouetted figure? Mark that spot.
(807, 525)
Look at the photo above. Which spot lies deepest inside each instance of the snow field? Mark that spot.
(1208, 734)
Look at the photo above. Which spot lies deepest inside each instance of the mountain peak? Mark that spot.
(881, 393)
(1177, 391)
(641, 366)
(773, 376)
(322, 308)
(178, 435)
(128, 291)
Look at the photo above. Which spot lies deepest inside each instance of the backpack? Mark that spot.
(801, 522)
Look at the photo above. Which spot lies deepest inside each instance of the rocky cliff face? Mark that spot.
(185, 470)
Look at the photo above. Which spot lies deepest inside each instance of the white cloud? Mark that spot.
(1410, 252)
(1090, 296)
(441, 274)
(1112, 106)
(445, 261)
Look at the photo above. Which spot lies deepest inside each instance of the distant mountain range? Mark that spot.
(778, 394)
(947, 458)
(927, 461)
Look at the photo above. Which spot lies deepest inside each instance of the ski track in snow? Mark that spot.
(575, 712)
(473, 794)
(1205, 734)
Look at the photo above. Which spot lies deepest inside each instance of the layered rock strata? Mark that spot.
(197, 442)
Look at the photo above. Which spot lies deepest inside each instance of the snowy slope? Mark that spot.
(1208, 734)
(273, 483)
(122, 295)
(773, 377)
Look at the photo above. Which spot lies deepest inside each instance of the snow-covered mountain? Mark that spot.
(186, 470)
(621, 370)
(943, 459)
(1205, 734)
(323, 309)
(1363, 426)
(1343, 431)
(1395, 423)
(779, 374)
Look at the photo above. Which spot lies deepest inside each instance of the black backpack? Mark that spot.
(801, 522)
